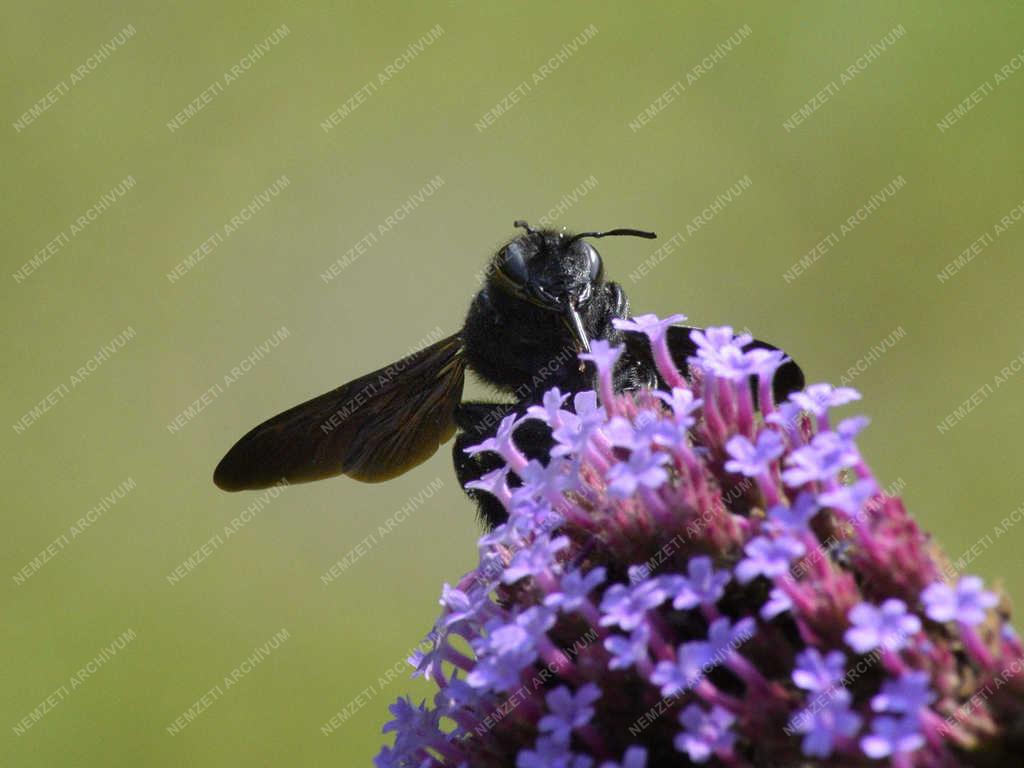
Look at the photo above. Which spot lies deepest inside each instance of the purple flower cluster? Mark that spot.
(691, 579)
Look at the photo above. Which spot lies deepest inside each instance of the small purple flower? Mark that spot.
(550, 412)
(906, 696)
(412, 724)
(645, 468)
(497, 675)
(786, 416)
(638, 573)
(750, 459)
(826, 456)
(534, 559)
(714, 338)
(731, 362)
(628, 651)
(724, 637)
(504, 535)
(966, 603)
(539, 478)
(491, 565)
(764, 362)
(635, 757)
(673, 677)
(536, 620)
(705, 733)
(672, 435)
(494, 482)
(721, 354)
(795, 519)
(817, 673)
(407, 716)
(818, 398)
(702, 585)
(458, 693)
(683, 404)
(569, 711)
(502, 654)
(824, 726)
(503, 638)
(889, 626)
(574, 589)
(652, 429)
(502, 442)
(603, 355)
(892, 736)
(650, 325)
(587, 409)
(778, 602)
(850, 498)
(625, 606)
(849, 428)
(622, 433)
(530, 515)
(695, 659)
(572, 436)
(768, 557)
(550, 752)
(462, 606)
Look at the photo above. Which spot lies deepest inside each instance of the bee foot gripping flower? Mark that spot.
(691, 581)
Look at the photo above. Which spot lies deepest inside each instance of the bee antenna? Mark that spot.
(523, 225)
(615, 233)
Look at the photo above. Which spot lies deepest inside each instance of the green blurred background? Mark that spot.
(571, 127)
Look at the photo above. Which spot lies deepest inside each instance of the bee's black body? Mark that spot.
(544, 299)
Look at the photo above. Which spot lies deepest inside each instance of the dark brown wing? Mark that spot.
(372, 429)
(789, 378)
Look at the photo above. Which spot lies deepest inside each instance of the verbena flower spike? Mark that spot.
(690, 581)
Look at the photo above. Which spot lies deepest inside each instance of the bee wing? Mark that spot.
(372, 429)
(788, 378)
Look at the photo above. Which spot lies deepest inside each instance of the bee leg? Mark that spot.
(620, 303)
(479, 421)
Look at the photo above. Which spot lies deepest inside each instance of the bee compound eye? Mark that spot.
(595, 266)
(512, 264)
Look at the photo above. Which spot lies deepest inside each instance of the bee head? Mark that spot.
(557, 271)
(553, 270)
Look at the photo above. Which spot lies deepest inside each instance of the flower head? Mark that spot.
(643, 605)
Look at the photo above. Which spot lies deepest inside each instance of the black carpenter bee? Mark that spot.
(543, 300)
